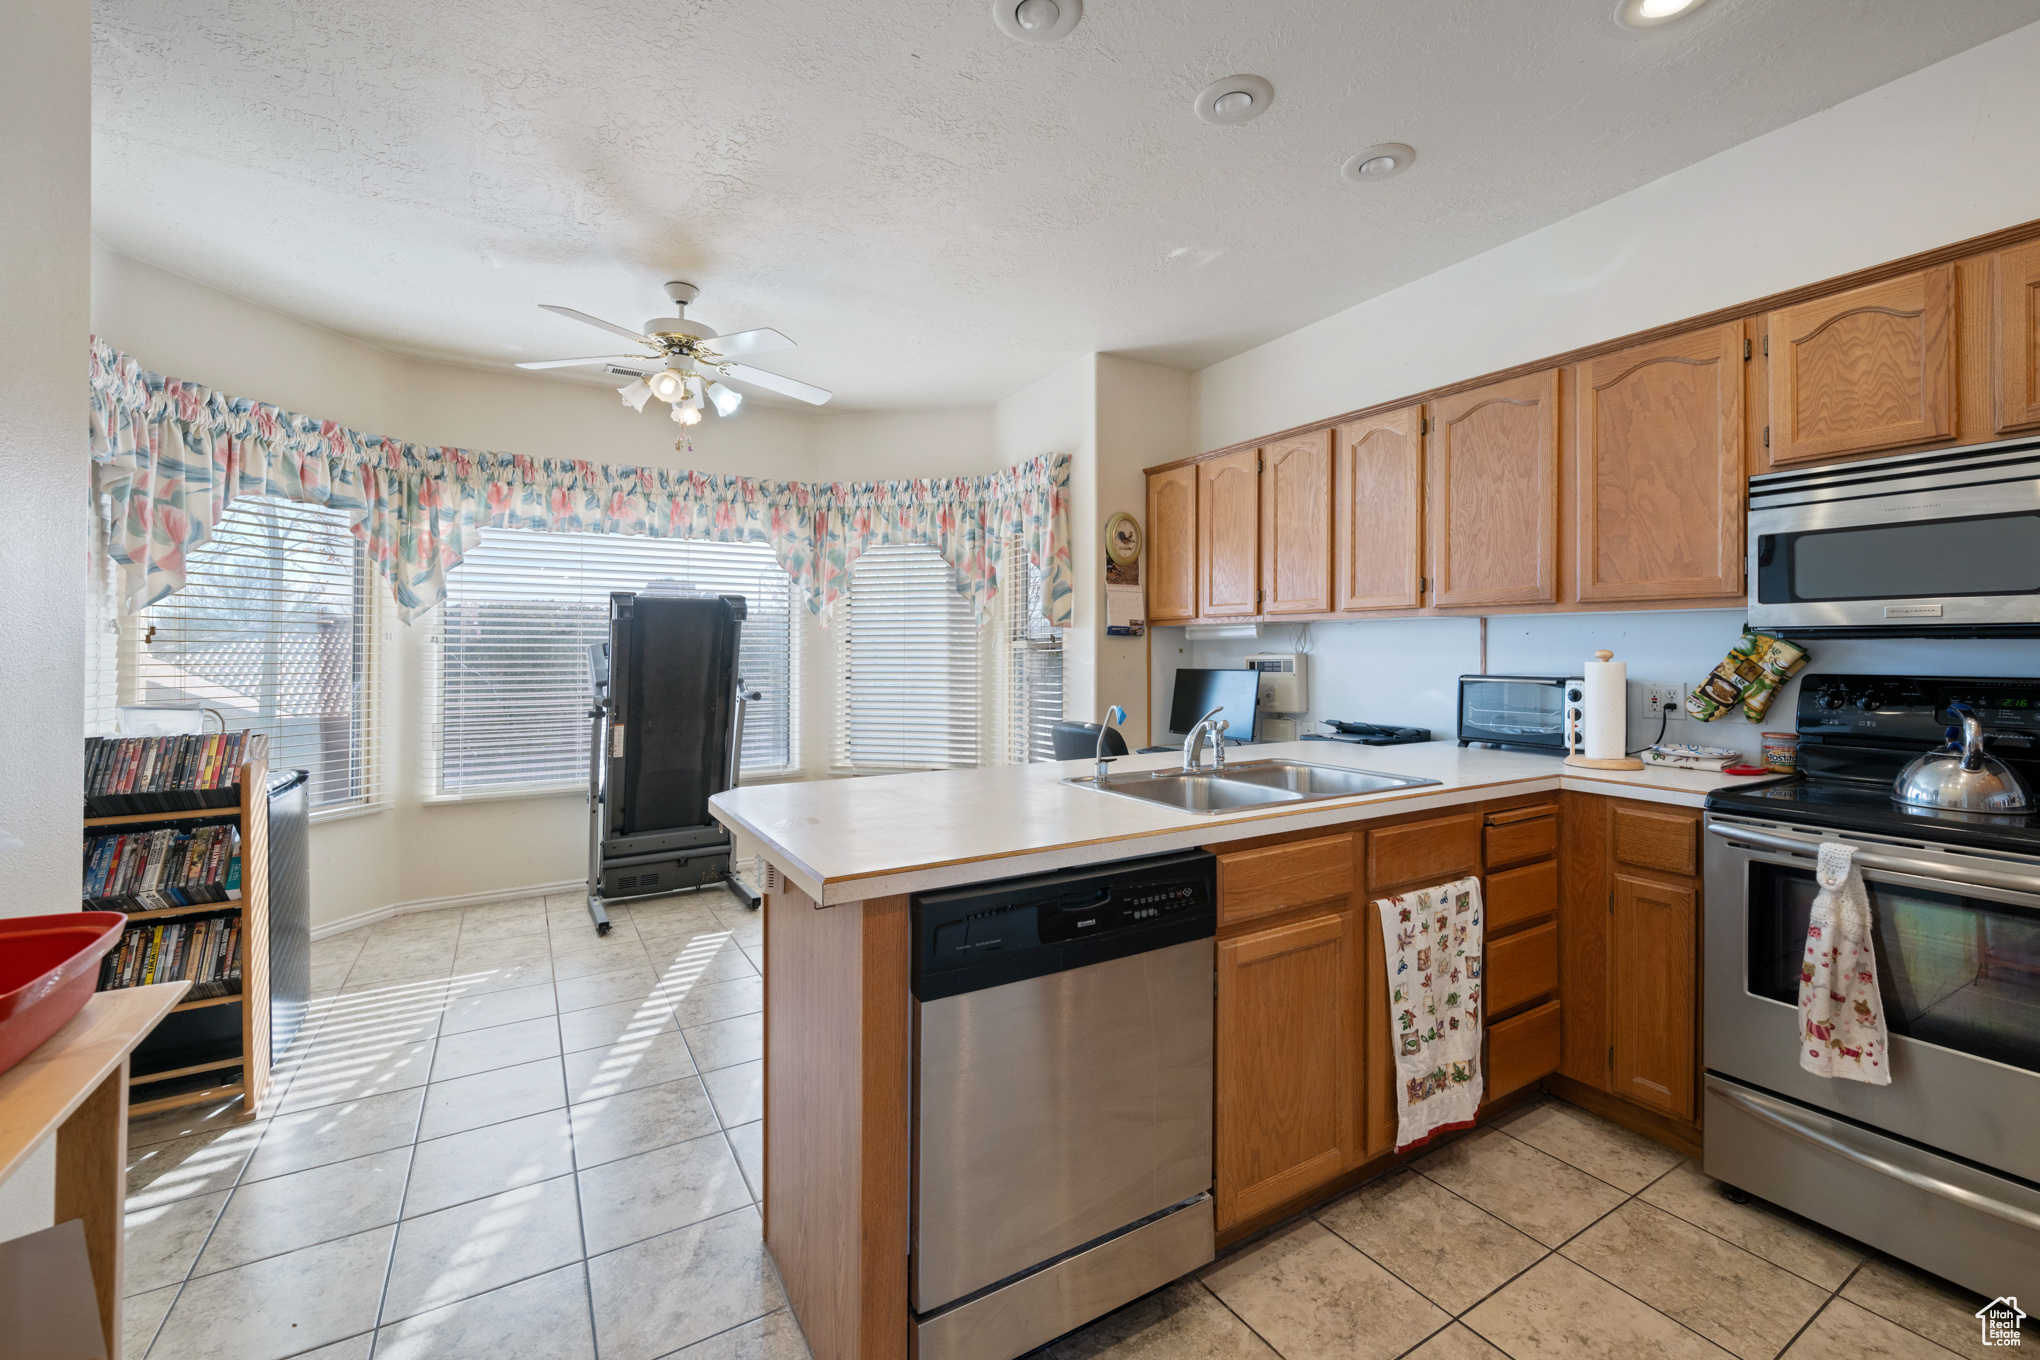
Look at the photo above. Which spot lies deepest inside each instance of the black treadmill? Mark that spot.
(666, 735)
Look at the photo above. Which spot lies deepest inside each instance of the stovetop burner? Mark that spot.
(1856, 732)
(1369, 734)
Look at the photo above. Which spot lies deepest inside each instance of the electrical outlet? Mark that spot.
(1653, 702)
(1661, 700)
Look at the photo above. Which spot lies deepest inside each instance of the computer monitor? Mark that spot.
(1199, 691)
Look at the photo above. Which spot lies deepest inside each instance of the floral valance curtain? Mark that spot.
(168, 457)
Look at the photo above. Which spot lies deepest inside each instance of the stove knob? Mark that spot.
(1829, 698)
(1869, 701)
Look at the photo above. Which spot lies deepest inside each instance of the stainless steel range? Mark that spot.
(1941, 1167)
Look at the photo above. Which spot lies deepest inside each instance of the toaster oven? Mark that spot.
(1515, 712)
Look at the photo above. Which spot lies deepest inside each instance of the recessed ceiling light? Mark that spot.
(1652, 13)
(1236, 99)
(1038, 21)
(1378, 162)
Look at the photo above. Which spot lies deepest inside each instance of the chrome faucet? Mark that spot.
(1203, 726)
(1114, 714)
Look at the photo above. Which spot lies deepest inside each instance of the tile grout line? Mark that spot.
(397, 1231)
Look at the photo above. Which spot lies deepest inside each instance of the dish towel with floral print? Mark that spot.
(1432, 939)
(1841, 1018)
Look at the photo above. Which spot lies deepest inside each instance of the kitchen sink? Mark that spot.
(1249, 784)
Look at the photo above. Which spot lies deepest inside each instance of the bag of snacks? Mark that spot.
(1750, 676)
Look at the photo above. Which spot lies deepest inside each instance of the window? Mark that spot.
(511, 678)
(921, 686)
(270, 631)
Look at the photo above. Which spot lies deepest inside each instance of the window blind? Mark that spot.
(908, 688)
(511, 680)
(271, 632)
(1032, 669)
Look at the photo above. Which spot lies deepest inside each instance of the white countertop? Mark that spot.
(844, 840)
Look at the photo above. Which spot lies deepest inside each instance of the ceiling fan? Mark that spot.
(685, 361)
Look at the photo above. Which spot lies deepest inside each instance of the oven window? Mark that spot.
(1927, 559)
(1515, 711)
(1960, 972)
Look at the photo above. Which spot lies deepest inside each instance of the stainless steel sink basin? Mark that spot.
(1249, 784)
(1317, 781)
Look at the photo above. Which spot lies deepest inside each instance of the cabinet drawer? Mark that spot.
(1522, 1049)
(1652, 839)
(1519, 838)
(1422, 854)
(1515, 896)
(1521, 967)
(1275, 878)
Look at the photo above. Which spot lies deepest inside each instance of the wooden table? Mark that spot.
(75, 1086)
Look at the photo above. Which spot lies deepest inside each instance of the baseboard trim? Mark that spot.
(479, 899)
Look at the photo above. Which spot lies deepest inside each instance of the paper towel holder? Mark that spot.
(1574, 716)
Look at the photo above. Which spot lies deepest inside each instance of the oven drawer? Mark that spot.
(1521, 967)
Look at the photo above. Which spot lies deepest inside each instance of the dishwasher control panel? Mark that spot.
(1020, 928)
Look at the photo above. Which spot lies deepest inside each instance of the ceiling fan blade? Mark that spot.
(609, 326)
(772, 382)
(598, 359)
(759, 341)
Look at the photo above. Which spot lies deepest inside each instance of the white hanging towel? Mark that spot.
(1841, 1017)
(1432, 939)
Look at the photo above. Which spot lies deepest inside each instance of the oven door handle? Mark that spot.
(1948, 871)
(1788, 1119)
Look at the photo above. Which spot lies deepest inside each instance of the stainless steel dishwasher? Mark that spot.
(1062, 1099)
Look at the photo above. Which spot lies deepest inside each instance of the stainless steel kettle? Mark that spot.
(1959, 777)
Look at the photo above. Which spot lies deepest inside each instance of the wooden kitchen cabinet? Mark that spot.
(1296, 525)
(1288, 1068)
(1866, 370)
(1492, 463)
(1228, 535)
(1378, 512)
(1661, 474)
(1172, 545)
(2016, 339)
(1651, 992)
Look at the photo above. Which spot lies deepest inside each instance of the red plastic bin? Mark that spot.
(49, 968)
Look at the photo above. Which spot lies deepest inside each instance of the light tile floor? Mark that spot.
(498, 1135)
(1550, 1235)
(501, 1135)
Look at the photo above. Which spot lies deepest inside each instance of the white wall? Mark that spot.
(418, 851)
(45, 218)
(1933, 158)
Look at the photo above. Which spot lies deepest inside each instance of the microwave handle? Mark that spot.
(1831, 1136)
(1949, 871)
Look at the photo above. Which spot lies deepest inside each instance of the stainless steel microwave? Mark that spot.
(1516, 712)
(1920, 544)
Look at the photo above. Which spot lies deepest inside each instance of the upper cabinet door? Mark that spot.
(1865, 370)
(1661, 476)
(2018, 339)
(1378, 512)
(1296, 525)
(1493, 464)
(1228, 535)
(1172, 545)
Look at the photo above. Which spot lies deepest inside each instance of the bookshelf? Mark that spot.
(202, 1051)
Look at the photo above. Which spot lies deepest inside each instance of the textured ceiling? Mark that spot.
(937, 214)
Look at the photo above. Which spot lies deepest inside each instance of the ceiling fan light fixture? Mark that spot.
(1234, 100)
(1379, 161)
(668, 384)
(726, 399)
(687, 415)
(1037, 21)
(635, 394)
(1653, 13)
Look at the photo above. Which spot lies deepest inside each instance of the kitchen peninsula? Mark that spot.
(1301, 1012)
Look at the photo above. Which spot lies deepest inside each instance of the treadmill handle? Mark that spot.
(744, 698)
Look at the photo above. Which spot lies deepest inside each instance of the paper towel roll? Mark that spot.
(1605, 720)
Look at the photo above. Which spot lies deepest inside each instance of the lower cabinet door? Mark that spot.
(1652, 993)
(1288, 1062)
